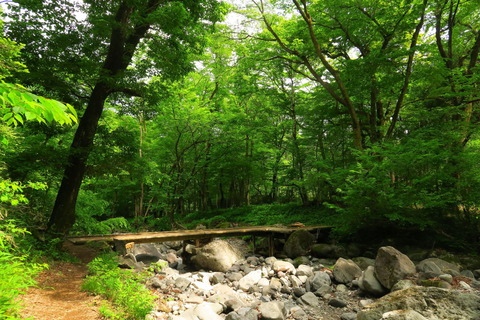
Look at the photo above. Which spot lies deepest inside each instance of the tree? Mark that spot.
(150, 36)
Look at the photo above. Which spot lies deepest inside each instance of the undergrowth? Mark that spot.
(127, 298)
(17, 269)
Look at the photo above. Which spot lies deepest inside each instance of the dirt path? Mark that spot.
(58, 295)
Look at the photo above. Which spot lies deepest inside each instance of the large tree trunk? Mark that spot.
(63, 214)
(121, 50)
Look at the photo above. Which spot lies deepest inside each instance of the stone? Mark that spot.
(432, 303)
(429, 267)
(182, 283)
(270, 260)
(318, 280)
(294, 281)
(468, 274)
(309, 299)
(301, 260)
(341, 288)
(263, 282)
(146, 252)
(364, 262)
(446, 277)
(337, 303)
(274, 310)
(208, 311)
(298, 313)
(304, 270)
(348, 316)
(391, 266)
(218, 277)
(234, 276)
(275, 284)
(298, 243)
(443, 265)
(344, 271)
(298, 292)
(369, 283)
(233, 316)
(476, 273)
(250, 280)
(217, 255)
(403, 315)
(283, 266)
(403, 284)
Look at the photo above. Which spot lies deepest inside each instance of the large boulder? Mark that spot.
(217, 255)
(431, 303)
(344, 271)
(391, 266)
(298, 243)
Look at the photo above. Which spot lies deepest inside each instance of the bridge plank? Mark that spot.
(178, 235)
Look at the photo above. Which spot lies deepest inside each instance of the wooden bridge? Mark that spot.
(120, 239)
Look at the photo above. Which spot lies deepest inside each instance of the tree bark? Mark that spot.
(121, 50)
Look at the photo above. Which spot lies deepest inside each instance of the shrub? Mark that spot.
(130, 299)
(16, 273)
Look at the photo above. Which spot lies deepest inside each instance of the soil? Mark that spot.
(58, 295)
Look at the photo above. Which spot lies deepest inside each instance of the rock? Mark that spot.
(318, 280)
(344, 271)
(298, 314)
(432, 303)
(369, 283)
(324, 250)
(250, 280)
(263, 282)
(443, 265)
(275, 284)
(298, 243)
(429, 267)
(435, 283)
(363, 262)
(468, 274)
(182, 283)
(301, 260)
(476, 273)
(391, 266)
(234, 276)
(283, 266)
(272, 310)
(146, 252)
(218, 277)
(337, 303)
(233, 316)
(341, 288)
(446, 277)
(270, 260)
(403, 315)
(304, 270)
(298, 292)
(403, 284)
(309, 299)
(208, 311)
(217, 255)
(348, 316)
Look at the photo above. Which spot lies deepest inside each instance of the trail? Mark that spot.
(58, 295)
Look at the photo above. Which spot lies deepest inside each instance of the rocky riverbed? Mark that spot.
(230, 283)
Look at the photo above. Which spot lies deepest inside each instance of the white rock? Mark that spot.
(250, 280)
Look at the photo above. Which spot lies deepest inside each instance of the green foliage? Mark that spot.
(131, 300)
(261, 215)
(18, 105)
(17, 271)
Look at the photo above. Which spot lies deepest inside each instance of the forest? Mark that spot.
(139, 115)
